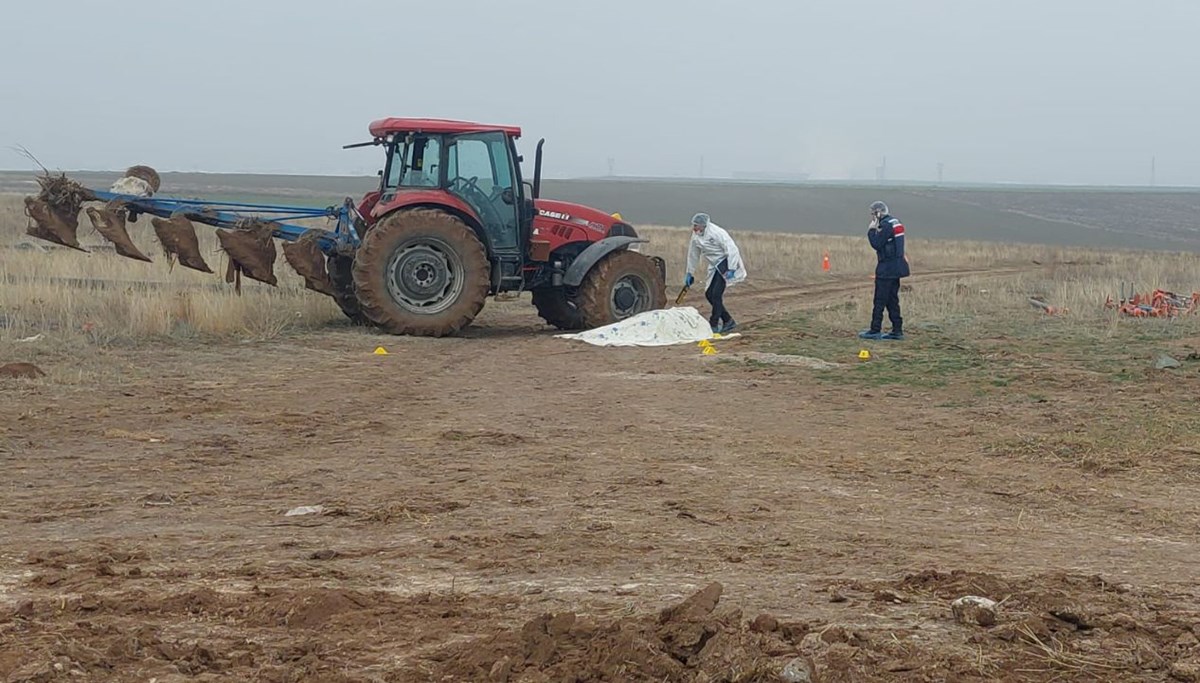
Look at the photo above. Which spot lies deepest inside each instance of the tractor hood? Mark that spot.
(552, 211)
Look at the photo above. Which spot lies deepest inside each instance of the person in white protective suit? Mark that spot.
(725, 267)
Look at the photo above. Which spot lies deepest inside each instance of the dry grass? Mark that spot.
(1076, 279)
(106, 298)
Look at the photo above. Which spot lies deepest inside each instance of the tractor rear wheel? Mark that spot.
(623, 284)
(556, 309)
(421, 272)
(340, 269)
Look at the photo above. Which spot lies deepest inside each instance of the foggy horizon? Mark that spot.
(1069, 93)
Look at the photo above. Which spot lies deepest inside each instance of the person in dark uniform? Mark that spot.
(886, 235)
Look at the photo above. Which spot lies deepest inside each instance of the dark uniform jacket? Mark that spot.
(888, 242)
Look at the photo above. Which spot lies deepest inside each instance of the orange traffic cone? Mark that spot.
(825, 262)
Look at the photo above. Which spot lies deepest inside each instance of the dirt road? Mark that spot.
(470, 485)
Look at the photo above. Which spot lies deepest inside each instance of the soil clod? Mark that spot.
(178, 238)
(307, 259)
(689, 641)
(109, 221)
(55, 210)
(147, 174)
(20, 371)
(251, 250)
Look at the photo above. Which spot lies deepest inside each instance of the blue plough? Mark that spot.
(246, 230)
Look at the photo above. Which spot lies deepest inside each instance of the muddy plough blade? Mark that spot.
(246, 232)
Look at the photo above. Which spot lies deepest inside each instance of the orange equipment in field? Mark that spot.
(1050, 310)
(1158, 304)
(825, 262)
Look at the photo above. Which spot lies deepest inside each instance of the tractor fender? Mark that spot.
(466, 215)
(591, 256)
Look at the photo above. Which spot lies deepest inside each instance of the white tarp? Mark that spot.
(665, 327)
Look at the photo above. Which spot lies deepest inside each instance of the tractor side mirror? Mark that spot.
(507, 196)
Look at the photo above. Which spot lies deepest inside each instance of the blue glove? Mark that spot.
(688, 280)
(729, 273)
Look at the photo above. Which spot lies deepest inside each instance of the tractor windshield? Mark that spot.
(414, 162)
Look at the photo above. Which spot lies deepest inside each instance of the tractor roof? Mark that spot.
(382, 127)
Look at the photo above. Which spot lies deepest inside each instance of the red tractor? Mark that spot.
(453, 221)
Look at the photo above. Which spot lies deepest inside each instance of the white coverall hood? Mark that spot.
(714, 243)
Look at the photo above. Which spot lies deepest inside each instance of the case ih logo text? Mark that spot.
(554, 214)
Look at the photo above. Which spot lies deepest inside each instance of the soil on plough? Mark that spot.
(55, 210)
(306, 258)
(178, 238)
(147, 174)
(109, 221)
(251, 250)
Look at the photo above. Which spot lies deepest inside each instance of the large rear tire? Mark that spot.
(421, 272)
(556, 309)
(340, 269)
(623, 284)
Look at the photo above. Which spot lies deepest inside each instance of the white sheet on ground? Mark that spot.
(664, 327)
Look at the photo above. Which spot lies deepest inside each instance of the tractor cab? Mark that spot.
(469, 167)
(477, 169)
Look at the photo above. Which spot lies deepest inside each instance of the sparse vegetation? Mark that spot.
(994, 450)
(61, 291)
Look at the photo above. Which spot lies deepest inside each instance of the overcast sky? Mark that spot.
(1039, 91)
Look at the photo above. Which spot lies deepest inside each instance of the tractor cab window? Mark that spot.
(479, 169)
(415, 162)
(471, 160)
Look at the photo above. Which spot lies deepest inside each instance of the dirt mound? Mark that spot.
(20, 371)
(1055, 626)
(1051, 628)
(691, 641)
(300, 635)
(308, 609)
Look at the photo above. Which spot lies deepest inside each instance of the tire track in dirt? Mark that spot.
(809, 296)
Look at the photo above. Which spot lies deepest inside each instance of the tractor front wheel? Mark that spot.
(623, 284)
(421, 272)
(556, 309)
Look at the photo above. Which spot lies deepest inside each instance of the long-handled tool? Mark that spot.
(682, 293)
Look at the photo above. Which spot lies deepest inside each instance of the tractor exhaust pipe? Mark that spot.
(537, 170)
